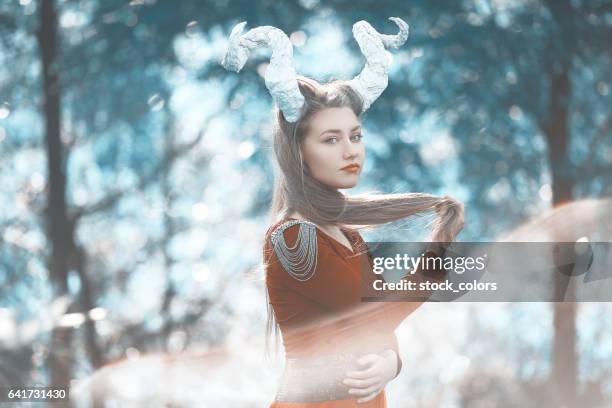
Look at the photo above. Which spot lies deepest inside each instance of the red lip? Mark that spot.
(351, 167)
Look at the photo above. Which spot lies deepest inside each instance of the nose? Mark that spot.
(350, 150)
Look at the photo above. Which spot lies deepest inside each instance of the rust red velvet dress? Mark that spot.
(324, 315)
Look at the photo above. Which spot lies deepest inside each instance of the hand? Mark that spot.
(446, 230)
(378, 370)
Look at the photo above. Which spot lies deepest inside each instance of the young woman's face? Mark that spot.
(332, 149)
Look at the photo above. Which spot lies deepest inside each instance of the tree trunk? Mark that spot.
(87, 303)
(59, 360)
(564, 376)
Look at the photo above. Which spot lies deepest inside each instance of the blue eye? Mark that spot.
(357, 138)
(331, 140)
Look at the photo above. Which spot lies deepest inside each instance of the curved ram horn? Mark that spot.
(280, 76)
(373, 79)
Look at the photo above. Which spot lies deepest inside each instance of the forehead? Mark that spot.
(333, 118)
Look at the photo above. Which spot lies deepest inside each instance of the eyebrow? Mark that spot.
(338, 130)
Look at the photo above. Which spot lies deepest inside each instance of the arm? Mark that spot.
(394, 312)
(395, 349)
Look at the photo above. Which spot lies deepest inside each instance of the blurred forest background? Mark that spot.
(136, 175)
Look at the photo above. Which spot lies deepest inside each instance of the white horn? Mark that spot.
(373, 79)
(280, 76)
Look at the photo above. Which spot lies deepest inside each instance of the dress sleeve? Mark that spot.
(388, 315)
(311, 267)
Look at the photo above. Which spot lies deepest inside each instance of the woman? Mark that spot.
(340, 352)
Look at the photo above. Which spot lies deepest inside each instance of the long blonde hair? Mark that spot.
(295, 190)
